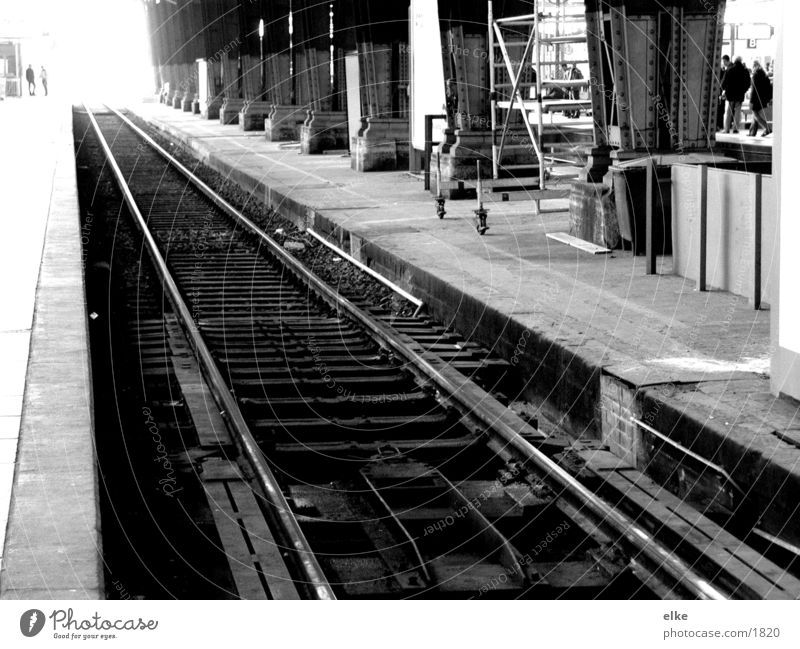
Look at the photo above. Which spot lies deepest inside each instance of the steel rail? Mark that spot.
(479, 404)
(290, 528)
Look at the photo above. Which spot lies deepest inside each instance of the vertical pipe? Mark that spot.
(757, 187)
(652, 191)
(538, 69)
(332, 79)
(428, 151)
(292, 60)
(263, 92)
(480, 185)
(492, 90)
(703, 201)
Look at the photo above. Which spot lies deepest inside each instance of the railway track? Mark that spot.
(368, 461)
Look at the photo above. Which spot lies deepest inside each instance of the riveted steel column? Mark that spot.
(654, 73)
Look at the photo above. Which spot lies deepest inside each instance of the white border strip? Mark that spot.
(383, 280)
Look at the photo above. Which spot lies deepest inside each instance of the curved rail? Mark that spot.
(288, 525)
(482, 407)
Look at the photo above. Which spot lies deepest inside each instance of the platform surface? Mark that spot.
(744, 138)
(49, 509)
(597, 316)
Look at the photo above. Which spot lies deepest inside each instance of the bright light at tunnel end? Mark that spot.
(101, 50)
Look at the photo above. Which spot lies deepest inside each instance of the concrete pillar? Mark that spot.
(325, 127)
(167, 35)
(209, 98)
(276, 52)
(155, 45)
(785, 311)
(177, 24)
(233, 100)
(381, 46)
(156, 15)
(464, 89)
(286, 117)
(256, 107)
(179, 31)
(192, 49)
(468, 136)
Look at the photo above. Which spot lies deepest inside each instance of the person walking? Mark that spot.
(760, 98)
(30, 77)
(574, 74)
(726, 63)
(43, 77)
(735, 85)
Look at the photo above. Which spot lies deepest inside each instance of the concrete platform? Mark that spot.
(49, 506)
(742, 138)
(598, 341)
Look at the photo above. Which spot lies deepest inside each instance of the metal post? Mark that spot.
(703, 200)
(492, 89)
(538, 68)
(481, 212)
(479, 187)
(440, 211)
(263, 62)
(292, 61)
(336, 100)
(757, 187)
(426, 163)
(652, 192)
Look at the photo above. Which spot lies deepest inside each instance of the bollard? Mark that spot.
(481, 212)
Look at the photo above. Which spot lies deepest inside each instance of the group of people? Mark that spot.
(736, 81)
(30, 77)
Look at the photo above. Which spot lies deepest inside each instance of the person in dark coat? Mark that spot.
(726, 63)
(30, 77)
(760, 99)
(735, 85)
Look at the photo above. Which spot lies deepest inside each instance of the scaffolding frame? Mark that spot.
(539, 105)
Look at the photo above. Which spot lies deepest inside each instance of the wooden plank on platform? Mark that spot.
(501, 196)
(575, 242)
